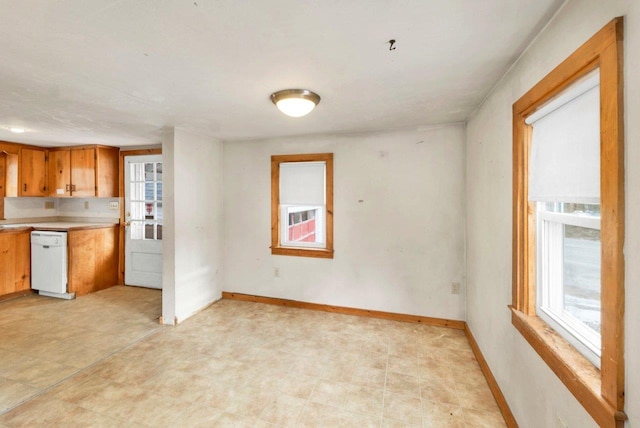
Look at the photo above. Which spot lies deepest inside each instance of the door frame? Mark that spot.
(123, 153)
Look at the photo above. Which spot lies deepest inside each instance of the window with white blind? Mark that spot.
(302, 205)
(568, 223)
(564, 183)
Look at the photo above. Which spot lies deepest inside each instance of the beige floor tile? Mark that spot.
(111, 398)
(440, 390)
(320, 416)
(197, 415)
(283, 411)
(41, 411)
(476, 397)
(349, 419)
(442, 415)
(12, 393)
(234, 364)
(430, 368)
(468, 374)
(365, 400)
(81, 418)
(374, 361)
(150, 409)
(483, 419)
(404, 365)
(391, 423)
(246, 401)
(403, 384)
(369, 377)
(403, 408)
(298, 385)
(330, 393)
(41, 374)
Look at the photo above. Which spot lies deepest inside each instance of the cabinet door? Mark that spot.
(15, 263)
(22, 266)
(60, 173)
(83, 172)
(33, 172)
(107, 172)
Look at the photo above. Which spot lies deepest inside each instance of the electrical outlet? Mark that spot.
(276, 272)
(86, 205)
(49, 205)
(114, 205)
(455, 288)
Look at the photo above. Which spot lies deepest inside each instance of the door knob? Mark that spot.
(127, 223)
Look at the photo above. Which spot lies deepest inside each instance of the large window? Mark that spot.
(564, 183)
(302, 205)
(568, 223)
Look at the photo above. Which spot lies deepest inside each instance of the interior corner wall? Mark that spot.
(535, 395)
(192, 252)
(398, 223)
(169, 221)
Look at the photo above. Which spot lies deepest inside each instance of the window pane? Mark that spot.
(136, 230)
(136, 192)
(148, 231)
(303, 226)
(148, 172)
(581, 275)
(149, 191)
(137, 211)
(159, 191)
(570, 208)
(159, 212)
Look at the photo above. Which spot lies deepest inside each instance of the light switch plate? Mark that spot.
(114, 205)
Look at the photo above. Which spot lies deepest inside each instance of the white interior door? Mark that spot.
(143, 221)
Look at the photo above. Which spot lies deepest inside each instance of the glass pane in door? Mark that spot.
(146, 201)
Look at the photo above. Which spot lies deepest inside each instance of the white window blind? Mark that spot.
(565, 149)
(302, 183)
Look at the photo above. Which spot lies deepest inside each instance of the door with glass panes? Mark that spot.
(143, 221)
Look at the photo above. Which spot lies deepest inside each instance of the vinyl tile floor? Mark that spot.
(103, 360)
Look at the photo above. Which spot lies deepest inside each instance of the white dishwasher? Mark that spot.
(49, 264)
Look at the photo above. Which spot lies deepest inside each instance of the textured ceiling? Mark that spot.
(117, 72)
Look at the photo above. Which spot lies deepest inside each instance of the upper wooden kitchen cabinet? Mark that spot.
(32, 169)
(85, 171)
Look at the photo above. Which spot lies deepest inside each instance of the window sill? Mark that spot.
(321, 253)
(581, 377)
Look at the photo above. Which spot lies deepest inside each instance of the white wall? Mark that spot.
(193, 241)
(399, 222)
(19, 208)
(23, 208)
(533, 392)
(96, 208)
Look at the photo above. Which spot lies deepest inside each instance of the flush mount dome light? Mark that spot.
(295, 102)
(16, 130)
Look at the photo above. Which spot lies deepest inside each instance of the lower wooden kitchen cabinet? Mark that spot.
(15, 262)
(93, 259)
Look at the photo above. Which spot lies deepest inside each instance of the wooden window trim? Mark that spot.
(601, 392)
(276, 248)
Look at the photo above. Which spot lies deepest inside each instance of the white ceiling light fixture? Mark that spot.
(16, 130)
(295, 102)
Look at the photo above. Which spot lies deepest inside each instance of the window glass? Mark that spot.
(146, 195)
(302, 205)
(581, 275)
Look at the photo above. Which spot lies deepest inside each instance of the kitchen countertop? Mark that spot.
(56, 226)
